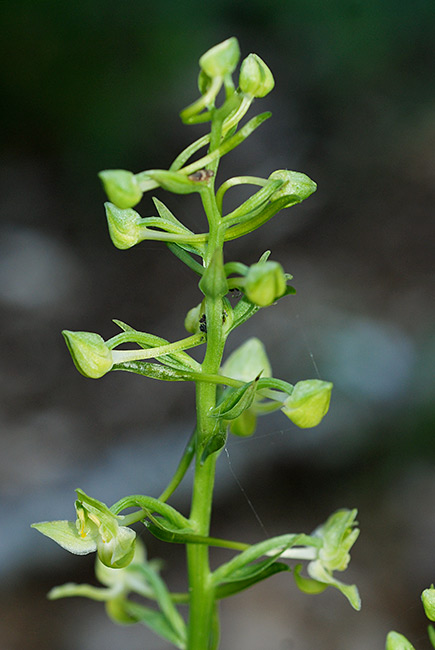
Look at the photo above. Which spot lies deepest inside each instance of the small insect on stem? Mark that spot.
(203, 323)
(201, 175)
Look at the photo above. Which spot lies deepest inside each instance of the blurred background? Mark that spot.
(91, 85)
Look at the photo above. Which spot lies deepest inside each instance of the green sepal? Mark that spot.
(396, 641)
(213, 283)
(227, 589)
(121, 187)
(248, 361)
(431, 633)
(155, 621)
(236, 402)
(176, 182)
(307, 585)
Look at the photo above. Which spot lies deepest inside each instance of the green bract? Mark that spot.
(255, 77)
(221, 59)
(121, 187)
(308, 403)
(89, 352)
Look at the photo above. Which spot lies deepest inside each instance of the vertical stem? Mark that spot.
(203, 622)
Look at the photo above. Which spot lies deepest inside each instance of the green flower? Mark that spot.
(89, 352)
(121, 187)
(338, 535)
(308, 403)
(264, 283)
(124, 225)
(95, 529)
(297, 186)
(221, 59)
(255, 78)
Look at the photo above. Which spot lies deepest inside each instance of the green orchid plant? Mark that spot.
(231, 393)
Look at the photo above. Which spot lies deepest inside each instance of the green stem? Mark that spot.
(202, 613)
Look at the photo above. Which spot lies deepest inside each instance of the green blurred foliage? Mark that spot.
(84, 74)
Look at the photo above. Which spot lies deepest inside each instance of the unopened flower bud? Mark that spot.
(124, 226)
(297, 186)
(264, 283)
(428, 598)
(396, 641)
(308, 403)
(89, 352)
(255, 77)
(121, 187)
(221, 59)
